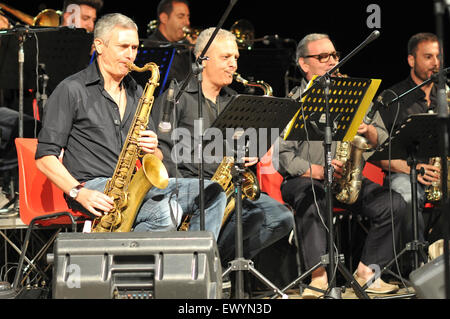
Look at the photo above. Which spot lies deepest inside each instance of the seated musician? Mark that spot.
(423, 59)
(265, 220)
(89, 115)
(302, 166)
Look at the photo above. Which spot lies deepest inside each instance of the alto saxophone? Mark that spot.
(351, 155)
(126, 187)
(434, 191)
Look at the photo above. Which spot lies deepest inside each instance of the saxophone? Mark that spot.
(351, 155)
(259, 84)
(127, 188)
(222, 176)
(434, 191)
(250, 185)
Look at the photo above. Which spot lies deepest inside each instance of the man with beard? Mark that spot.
(173, 19)
(423, 59)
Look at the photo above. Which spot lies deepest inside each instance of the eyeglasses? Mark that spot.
(325, 57)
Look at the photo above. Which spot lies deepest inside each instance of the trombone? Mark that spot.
(45, 18)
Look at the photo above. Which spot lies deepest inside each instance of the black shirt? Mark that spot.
(82, 118)
(412, 103)
(182, 60)
(185, 135)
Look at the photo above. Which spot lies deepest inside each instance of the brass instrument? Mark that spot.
(242, 29)
(192, 32)
(250, 185)
(244, 32)
(260, 84)
(127, 188)
(222, 176)
(45, 18)
(188, 31)
(350, 154)
(434, 191)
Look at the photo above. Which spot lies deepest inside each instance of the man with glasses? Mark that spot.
(302, 166)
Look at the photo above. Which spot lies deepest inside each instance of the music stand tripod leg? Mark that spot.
(240, 264)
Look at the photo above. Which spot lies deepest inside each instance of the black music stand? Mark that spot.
(416, 139)
(252, 115)
(163, 57)
(343, 102)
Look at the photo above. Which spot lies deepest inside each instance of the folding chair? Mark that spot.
(41, 204)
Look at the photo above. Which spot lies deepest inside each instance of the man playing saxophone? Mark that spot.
(423, 59)
(89, 115)
(302, 166)
(265, 221)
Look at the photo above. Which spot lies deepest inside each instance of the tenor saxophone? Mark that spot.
(267, 89)
(126, 187)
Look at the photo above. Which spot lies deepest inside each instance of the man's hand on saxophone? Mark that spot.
(148, 142)
(431, 174)
(95, 202)
(250, 161)
(370, 133)
(317, 171)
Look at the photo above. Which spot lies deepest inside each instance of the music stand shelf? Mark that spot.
(349, 99)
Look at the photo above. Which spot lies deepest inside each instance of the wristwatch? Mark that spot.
(73, 193)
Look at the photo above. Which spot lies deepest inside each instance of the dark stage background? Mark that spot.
(344, 21)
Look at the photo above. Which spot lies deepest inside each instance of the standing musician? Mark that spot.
(173, 19)
(265, 221)
(423, 60)
(302, 166)
(89, 115)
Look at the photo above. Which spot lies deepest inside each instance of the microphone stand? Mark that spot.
(197, 71)
(442, 114)
(22, 33)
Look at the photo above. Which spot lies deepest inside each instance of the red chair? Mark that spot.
(41, 203)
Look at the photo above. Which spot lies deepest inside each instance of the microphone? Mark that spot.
(381, 101)
(165, 126)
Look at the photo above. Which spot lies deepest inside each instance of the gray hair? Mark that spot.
(302, 47)
(108, 22)
(204, 36)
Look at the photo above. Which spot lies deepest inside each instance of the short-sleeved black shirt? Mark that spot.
(81, 118)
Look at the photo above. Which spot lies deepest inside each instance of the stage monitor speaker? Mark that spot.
(428, 280)
(142, 265)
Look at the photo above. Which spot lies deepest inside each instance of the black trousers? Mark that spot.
(373, 202)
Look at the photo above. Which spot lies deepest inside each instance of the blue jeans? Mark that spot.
(155, 213)
(264, 222)
(401, 183)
